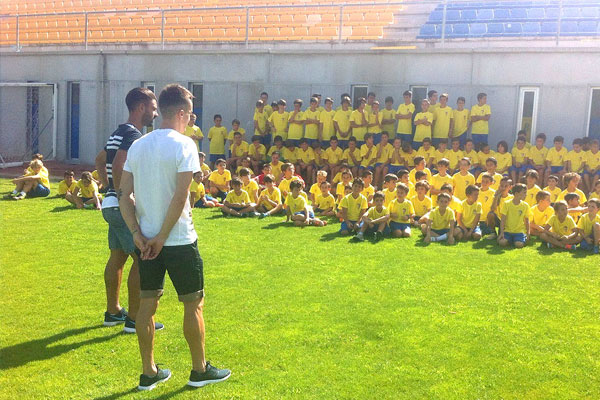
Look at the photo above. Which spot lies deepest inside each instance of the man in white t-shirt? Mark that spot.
(159, 170)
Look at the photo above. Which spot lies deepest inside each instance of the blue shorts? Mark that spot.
(214, 157)
(479, 138)
(585, 245)
(476, 170)
(311, 141)
(200, 203)
(462, 139)
(394, 169)
(39, 191)
(437, 141)
(85, 199)
(376, 138)
(370, 167)
(343, 144)
(267, 139)
(344, 226)
(522, 169)
(400, 226)
(515, 237)
(405, 137)
(221, 195)
(586, 172)
(386, 230)
(485, 229)
(378, 164)
(416, 145)
(119, 236)
(325, 144)
(556, 170)
(359, 143)
(311, 214)
(441, 231)
(296, 142)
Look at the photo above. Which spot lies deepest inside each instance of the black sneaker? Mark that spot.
(150, 382)
(212, 375)
(115, 319)
(130, 326)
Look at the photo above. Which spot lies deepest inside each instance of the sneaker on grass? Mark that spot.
(130, 326)
(150, 382)
(211, 375)
(115, 319)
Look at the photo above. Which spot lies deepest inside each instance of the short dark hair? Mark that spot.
(236, 121)
(173, 98)
(217, 116)
(358, 181)
(518, 188)
(541, 136)
(295, 184)
(460, 98)
(420, 174)
(378, 195)
(244, 172)
(389, 99)
(69, 173)
(481, 95)
(431, 93)
(541, 195)
(407, 93)
(236, 182)
(137, 96)
(265, 93)
(403, 187)
(471, 189)
(256, 138)
(268, 178)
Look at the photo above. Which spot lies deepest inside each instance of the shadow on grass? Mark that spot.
(42, 349)
(276, 225)
(491, 246)
(62, 208)
(131, 391)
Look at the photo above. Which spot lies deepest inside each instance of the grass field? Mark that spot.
(301, 313)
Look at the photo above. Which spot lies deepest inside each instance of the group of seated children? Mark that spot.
(34, 182)
(83, 193)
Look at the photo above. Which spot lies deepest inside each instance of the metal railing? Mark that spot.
(247, 12)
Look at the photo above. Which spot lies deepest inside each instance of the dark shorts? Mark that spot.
(85, 199)
(400, 226)
(267, 139)
(394, 169)
(479, 138)
(557, 169)
(416, 145)
(515, 237)
(441, 231)
(477, 230)
(185, 268)
(405, 137)
(343, 144)
(344, 226)
(214, 157)
(585, 245)
(119, 237)
(522, 169)
(311, 214)
(462, 139)
(39, 191)
(586, 172)
(436, 141)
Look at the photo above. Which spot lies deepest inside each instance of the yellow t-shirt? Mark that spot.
(540, 217)
(355, 153)
(537, 156)
(261, 118)
(386, 152)
(217, 137)
(592, 160)
(197, 188)
(357, 118)
(367, 158)
(284, 185)
(421, 207)
(296, 131)
(373, 213)
(234, 198)
(480, 127)
(473, 156)
(343, 120)
(375, 119)
(427, 154)
(326, 119)
(582, 197)
(311, 131)
(496, 184)
(554, 193)
(250, 187)
(205, 168)
(454, 157)
(461, 121)
(280, 123)
(306, 156)
(220, 179)
(586, 224)
(486, 198)
(460, 183)
(63, 188)
(515, 216)
(90, 190)
(412, 173)
(240, 149)
(231, 134)
(368, 192)
(389, 195)
(405, 125)
(441, 221)
(388, 114)
(401, 210)
(577, 159)
(531, 193)
(273, 195)
(43, 176)
(260, 152)
(194, 131)
(501, 206)
(557, 158)
(409, 158)
(333, 156)
(564, 227)
(276, 169)
(341, 187)
(439, 154)
(325, 202)
(594, 195)
(354, 206)
(469, 212)
(504, 161)
(289, 155)
(315, 190)
(484, 156)
(423, 131)
(442, 117)
(520, 155)
(437, 181)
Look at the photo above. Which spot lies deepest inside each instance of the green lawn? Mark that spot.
(301, 313)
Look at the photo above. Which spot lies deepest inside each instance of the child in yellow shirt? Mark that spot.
(389, 191)
(324, 204)
(219, 180)
(298, 210)
(514, 224)
(315, 189)
(85, 194)
(34, 183)
(353, 207)
(269, 201)
(198, 196)
(589, 227)
(421, 203)
(553, 188)
(375, 220)
(561, 230)
(402, 212)
(468, 217)
(67, 185)
(441, 222)
(237, 203)
(540, 213)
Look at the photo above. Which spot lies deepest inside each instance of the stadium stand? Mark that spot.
(127, 21)
(511, 19)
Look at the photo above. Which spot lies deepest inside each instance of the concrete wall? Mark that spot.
(233, 79)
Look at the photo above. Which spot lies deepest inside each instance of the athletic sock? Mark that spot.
(439, 238)
(14, 192)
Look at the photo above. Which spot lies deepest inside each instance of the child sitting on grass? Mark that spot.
(441, 222)
(375, 220)
(589, 227)
(353, 207)
(198, 196)
(269, 201)
(469, 215)
(34, 183)
(540, 213)
(401, 212)
(219, 180)
(86, 193)
(324, 205)
(237, 202)
(560, 231)
(297, 208)
(67, 185)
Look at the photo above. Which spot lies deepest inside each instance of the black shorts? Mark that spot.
(185, 268)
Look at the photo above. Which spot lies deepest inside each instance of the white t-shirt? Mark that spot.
(155, 160)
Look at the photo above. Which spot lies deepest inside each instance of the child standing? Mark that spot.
(217, 136)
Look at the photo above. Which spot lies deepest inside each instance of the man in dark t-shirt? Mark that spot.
(142, 107)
